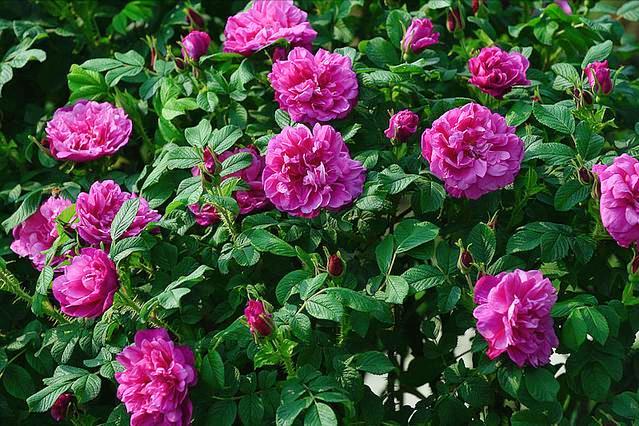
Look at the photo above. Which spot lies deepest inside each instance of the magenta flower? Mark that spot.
(565, 6)
(258, 319)
(36, 234)
(266, 22)
(96, 210)
(195, 44)
(248, 200)
(495, 71)
(155, 381)
(307, 171)
(314, 88)
(402, 125)
(419, 35)
(598, 75)
(473, 151)
(513, 315)
(87, 130)
(618, 202)
(60, 407)
(87, 284)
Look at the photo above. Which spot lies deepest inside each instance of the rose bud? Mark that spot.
(402, 125)
(476, 4)
(565, 6)
(194, 18)
(60, 407)
(454, 21)
(598, 75)
(195, 45)
(335, 265)
(258, 319)
(465, 260)
(585, 176)
(419, 35)
(634, 265)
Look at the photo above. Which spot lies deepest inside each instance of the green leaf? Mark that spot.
(286, 287)
(212, 371)
(596, 324)
(381, 52)
(372, 362)
(199, 135)
(570, 194)
(86, 388)
(554, 246)
(264, 241)
(207, 101)
(595, 382)
(183, 157)
(320, 414)
(175, 107)
(222, 413)
(325, 306)
(541, 384)
(529, 418)
(17, 381)
(251, 410)
(447, 298)
(236, 162)
(124, 218)
(567, 76)
(589, 144)
(519, 113)
(124, 247)
(282, 118)
(573, 332)
(44, 280)
(626, 404)
(421, 233)
(510, 378)
(384, 254)
(396, 289)
(397, 22)
(118, 417)
(224, 138)
(86, 84)
(423, 277)
(557, 117)
(29, 206)
(552, 153)
(309, 286)
(287, 412)
(482, 243)
(597, 53)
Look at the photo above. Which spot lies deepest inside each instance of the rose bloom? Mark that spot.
(402, 125)
(266, 22)
(87, 130)
(37, 234)
(473, 151)
(155, 381)
(307, 171)
(87, 284)
(618, 202)
(598, 75)
(258, 319)
(96, 210)
(495, 71)
(513, 315)
(419, 35)
(565, 6)
(314, 88)
(248, 200)
(195, 44)
(61, 406)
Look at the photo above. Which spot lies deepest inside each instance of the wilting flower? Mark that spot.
(598, 75)
(96, 210)
(402, 125)
(419, 35)
(619, 194)
(314, 88)
(266, 22)
(87, 284)
(473, 151)
(61, 406)
(495, 71)
(514, 316)
(37, 234)
(248, 200)
(258, 319)
(154, 385)
(87, 130)
(565, 6)
(195, 44)
(307, 171)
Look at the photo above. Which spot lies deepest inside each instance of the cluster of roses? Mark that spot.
(305, 170)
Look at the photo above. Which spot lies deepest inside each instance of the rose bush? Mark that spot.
(319, 212)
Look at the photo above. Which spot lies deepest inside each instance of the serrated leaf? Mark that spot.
(557, 117)
(570, 194)
(325, 306)
(598, 53)
(124, 218)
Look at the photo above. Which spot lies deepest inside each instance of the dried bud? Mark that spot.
(465, 260)
(194, 18)
(60, 407)
(585, 176)
(454, 21)
(335, 265)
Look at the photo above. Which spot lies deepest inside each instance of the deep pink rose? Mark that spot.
(87, 284)
(154, 385)
(402, 125)
(96, 209)
(565, 6)
(598, 75)
(473, 151)
(266, 22)
(314, 88)
(87, 130)
(513, 315)
(37, 234)
(419, 35)
(495, 71)
(258, 319)
(618, 202)
(248, 200)
(195, 44)
(61, 406)
(307, 171)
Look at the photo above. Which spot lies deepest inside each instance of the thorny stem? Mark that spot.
(133, 304)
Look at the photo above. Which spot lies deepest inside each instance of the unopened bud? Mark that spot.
(335, 265)
(634, 265)
(465, 260)
(454, 20)
(194, 18)
(476, 4)
(584, 175)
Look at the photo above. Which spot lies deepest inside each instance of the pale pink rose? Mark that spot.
(495, 71)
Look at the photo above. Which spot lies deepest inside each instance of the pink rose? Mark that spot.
(266, 22)
(36, 234)
(314, 88)
(154, 385)
(598, 75)
(473, 151)
(87, 284)
(618, 202)
(419, 35)
(258, 319)
(307, 171)
(60, 407)
(513, 315)
(96, 210)
(402, 125)
(195, 44)
(87, 130)
(495, 71)
(565, 6)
